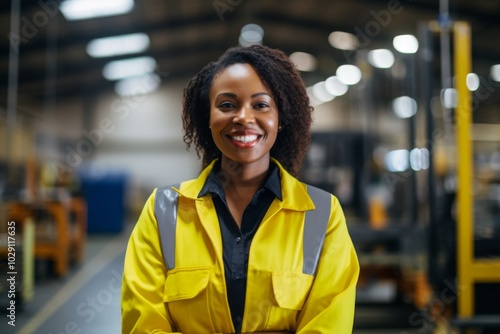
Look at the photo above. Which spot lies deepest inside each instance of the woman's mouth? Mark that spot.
(246, 141)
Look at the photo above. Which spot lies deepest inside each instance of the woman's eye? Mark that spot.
(226, 105)
(262, 105)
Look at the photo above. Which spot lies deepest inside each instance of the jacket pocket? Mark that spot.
(186, 298)
(291, 289)
(185, 283)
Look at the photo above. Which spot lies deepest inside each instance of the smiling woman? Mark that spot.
(245, 247)
(243, 118)
(283, 83)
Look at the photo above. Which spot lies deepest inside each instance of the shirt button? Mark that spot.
(238, 239)
(237, 276)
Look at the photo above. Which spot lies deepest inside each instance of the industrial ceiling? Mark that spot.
(186, 35)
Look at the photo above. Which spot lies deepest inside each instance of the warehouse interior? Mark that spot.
(406, 135)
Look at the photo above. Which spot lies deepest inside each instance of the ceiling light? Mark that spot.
(449, 98)
(381, 58)
(137, 85)
(419, 159)
(335, 87)
(118, 45)
(472, 81)
(397, 161)
(251, 34)
(343, 40)
(495, 72)
(85, 9)
(405, 43)
(312, 99)
(304, 62)
(348, 74)
(120, 69)
(320, 93)
(404, 106)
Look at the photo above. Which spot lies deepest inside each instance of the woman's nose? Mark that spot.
(244, 116)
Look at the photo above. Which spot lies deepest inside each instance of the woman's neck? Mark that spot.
(241, 183)
(247, 176)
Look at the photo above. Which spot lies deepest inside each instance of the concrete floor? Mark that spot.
(87, 300)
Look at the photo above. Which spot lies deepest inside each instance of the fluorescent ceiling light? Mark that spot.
(449, 98)
(320, 93)
(86, 9)
(397, 160)
(404, 106)
(312, 99)
(118, 45)
(343, 40)
(405, 43)
(304, 62)
(348, 74)
(120, 69)
(419, 159)
(381, 58)
(335, 87)
(138, 85)
(495, 72)
(472, 81)
(251, 34)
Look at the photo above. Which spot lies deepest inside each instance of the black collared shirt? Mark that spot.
(235, 241)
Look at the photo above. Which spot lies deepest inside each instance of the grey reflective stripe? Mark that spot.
(166, 200)
(315, 228)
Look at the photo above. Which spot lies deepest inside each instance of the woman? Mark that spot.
(245, 247)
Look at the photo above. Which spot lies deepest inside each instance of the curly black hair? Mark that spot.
(280, 75)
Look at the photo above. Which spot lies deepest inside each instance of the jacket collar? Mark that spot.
(216, 178)
(295, 196)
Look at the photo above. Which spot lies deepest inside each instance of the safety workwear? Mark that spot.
(288, 289)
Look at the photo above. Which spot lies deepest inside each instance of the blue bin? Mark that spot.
(105, 196)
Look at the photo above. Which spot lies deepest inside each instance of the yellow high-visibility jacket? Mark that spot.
(191, 297)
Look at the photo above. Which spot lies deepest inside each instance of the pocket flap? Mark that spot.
(185, 283)
(291, 289)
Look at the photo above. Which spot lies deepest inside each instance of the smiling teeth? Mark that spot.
(245, 139)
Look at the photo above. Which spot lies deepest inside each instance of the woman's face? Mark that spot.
(243, 115)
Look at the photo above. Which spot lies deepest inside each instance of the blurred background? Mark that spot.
(406, 135)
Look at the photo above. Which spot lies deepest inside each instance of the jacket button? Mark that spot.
(237, 276)
(238, 239)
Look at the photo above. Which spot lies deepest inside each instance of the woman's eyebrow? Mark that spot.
(258, 94)
(227, 94)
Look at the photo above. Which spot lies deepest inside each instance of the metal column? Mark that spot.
(426, 60)
(13, 76)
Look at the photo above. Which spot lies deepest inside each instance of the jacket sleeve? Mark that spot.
(329, 307)
(144, 275)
